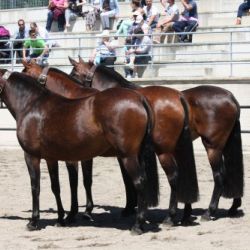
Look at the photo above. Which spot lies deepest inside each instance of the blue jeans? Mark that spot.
(242, 8)
(185, 26)
(60, 21)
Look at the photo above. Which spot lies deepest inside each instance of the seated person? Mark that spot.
(5, 55)
(92, 15)
(141, 51)
(151, 14)
(109, 9)
(188, 21)
(104, 53)
(38, 49)
(165, 25)
(20, 33)
(56, 12)
(242, 8)
(127, 23)
(73, 10)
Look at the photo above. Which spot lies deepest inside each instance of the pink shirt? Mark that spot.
(58, 2)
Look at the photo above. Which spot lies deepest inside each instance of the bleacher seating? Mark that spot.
(207, 49)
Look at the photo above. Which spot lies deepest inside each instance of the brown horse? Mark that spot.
(214, 116)
(54, 128)
(171, 140)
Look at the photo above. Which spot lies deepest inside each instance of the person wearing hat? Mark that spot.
(104, 53)
(165, 25)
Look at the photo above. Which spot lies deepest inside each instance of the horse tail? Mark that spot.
(233, 162)
(187, 184)
(147, 159)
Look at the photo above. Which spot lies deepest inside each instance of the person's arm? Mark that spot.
(163, 3)
(154, 14)
(116, 9)
(93, 55)
(186, 5)
(168, 19)
(25, 46)
(144, 47)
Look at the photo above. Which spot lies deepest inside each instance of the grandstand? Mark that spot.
(219, 53)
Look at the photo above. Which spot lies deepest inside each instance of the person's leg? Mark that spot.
(179, 26)
(49, 20)
(61, 22)
(242, 8)
(67, 17)
(166, 28)
(157, 36)
(191, 27)
(123, 29)
(105, 18)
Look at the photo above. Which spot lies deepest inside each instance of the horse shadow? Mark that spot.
(111, 217)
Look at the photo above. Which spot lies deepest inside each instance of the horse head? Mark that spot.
(32, 69)
(82, 71)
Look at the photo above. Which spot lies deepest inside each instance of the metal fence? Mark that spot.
(13, 4)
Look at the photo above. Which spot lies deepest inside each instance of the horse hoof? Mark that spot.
(126, 212)
(232, 212)
(69, 219)
(169, 222)
(32, 226)
(60, 224)
(87, 216)
(206, 217)
(136, 230)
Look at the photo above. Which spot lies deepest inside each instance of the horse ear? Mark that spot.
(80, 59)
(73, 62)
(25, 64)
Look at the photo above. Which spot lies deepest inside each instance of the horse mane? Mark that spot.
(2, 71)
(117, 77)
(65, 74)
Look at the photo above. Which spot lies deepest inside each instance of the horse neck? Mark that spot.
(18, 96)
(102, 81)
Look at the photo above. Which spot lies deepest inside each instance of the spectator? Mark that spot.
(92, 15)
(242, 8)
(56, 12)
(38, 47)
(109, 9)
(165, 25)
(4, 45)
(188, 21)
(152, 14)
(126, 24)
(20, 33)
(73, 10)
(141, 51)
(104, 53)
(41, 32)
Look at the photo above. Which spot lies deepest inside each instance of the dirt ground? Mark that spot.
(109, 230)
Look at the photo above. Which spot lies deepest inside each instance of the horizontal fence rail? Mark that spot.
(232, 50)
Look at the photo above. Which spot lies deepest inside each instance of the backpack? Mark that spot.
(4, 33)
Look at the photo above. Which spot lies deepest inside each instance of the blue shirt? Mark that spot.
(193, 12)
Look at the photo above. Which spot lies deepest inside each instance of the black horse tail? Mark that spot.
(187, 184)
(147, 160)
(233, 162)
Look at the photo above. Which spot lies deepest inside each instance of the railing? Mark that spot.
(229, 51)
(13, 4)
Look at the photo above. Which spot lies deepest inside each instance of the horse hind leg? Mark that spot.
(33, 165)
(136, 174)
(131, 196)
(169, 166)
(87, 170)
(55, 187)
(72, 168)
(216, 162)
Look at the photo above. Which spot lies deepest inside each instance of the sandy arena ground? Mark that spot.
(109, 230)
